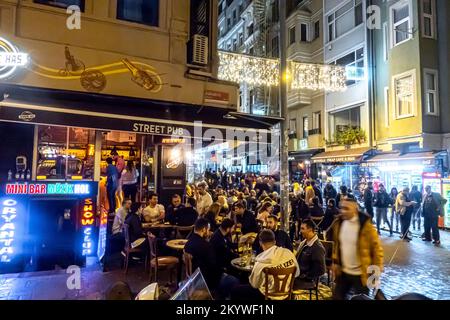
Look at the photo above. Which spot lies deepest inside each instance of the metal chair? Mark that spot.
(307, 285)
(128, 249)
(283, 282)
(183, 232)
(329, 247)
(187, 260)
(160, 262)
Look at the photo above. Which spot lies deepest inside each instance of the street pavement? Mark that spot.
(409, 267)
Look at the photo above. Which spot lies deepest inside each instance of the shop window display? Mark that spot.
(65, 153)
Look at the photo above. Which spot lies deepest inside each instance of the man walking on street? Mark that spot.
(382, 202)
(432, 209)
(357, 249)
(405, 208)
(368, 198)
(417, 197)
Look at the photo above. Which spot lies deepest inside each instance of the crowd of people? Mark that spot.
(248, 204)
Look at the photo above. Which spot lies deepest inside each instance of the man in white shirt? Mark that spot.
(120, 216)
(271, 257)
(357, 250)
(204, 199)
(154, 212)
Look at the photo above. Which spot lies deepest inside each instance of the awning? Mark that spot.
(106, 112)
(342, 156)
(304, 154)
(425, 158)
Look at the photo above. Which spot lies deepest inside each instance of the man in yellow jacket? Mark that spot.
(357, 253)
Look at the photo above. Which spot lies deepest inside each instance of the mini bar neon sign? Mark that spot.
(7, 229)
(49, 188)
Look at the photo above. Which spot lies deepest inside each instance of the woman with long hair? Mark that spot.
(129, 179)
(393, 196)
(212, 214)
(264, 212)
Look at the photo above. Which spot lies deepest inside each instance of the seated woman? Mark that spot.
(263, 213)
(212, 214)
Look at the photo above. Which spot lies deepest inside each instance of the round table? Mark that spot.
(177, 244)
(237, 263)
(149, 225)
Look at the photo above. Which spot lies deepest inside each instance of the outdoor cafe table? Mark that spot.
(148, 226)
(177, 244)
(238, 264)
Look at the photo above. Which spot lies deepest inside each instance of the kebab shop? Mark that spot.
(43, 224)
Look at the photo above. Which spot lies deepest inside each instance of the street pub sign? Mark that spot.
(10, 58)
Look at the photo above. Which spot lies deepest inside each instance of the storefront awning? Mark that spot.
(106, 112)
(425, 158)
(341, 156)
(304, 155)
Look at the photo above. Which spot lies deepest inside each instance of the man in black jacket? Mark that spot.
(245, 218)
(282, 238)
(185, 216)
(221, 242)
(329, 192)
(382, 202)
(173, 208)
(310, 257)
(317, 192)
(205, 258)
(368, 199)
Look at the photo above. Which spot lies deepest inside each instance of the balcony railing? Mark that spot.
(315, 131)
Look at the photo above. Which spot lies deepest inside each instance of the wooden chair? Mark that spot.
(187, 260)
(283, 282)
(183, 232)
(160, 262)
(310, 286)
(128, 249)
(329, 246)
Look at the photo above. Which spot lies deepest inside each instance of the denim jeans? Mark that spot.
(395, 216)
(382, 214)
(227, 283)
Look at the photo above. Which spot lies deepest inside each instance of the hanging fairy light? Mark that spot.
(240, 68)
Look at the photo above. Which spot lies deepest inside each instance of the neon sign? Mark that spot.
(7, 229)
(48, 188)
(10, 58)
(87, 223)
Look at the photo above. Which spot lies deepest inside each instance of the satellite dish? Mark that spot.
(150, 292)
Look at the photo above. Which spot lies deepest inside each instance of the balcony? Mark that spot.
(313, 132)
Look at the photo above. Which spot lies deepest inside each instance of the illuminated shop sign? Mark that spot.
(87, 226)
(48, 188)
(10, 58)
(7, 229)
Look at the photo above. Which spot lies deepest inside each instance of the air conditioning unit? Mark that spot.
(199, 50)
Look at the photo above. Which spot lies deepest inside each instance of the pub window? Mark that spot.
(404, 95)
(431, 92)
(292, 35)
(65, 153)
(317, 29)
(305, 127)
(62, 3)
(428, 19)
(303, 32)
(140, 11)
(401, 24)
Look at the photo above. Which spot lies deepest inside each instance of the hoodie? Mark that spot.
(275, 257)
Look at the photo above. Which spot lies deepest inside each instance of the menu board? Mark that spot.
(446, 195)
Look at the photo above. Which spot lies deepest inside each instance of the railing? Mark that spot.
(315, 131)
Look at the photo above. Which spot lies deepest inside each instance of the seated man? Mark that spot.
(135, 231)
(154, 212)
(245, 218)
(204, 257)
(221, 242)
(310, 257)
(272, 257)
(173, 208)
(117, 240)
(188, 215)
(282, 238)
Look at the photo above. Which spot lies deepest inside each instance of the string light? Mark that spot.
(257, 71)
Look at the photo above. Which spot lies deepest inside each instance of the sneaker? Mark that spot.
(407, 239)
(425, 239)
(437, 242)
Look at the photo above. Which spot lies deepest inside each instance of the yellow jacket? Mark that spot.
(369, 246)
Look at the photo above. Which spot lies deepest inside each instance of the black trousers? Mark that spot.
(130, 191)
(111, 199)
(246, 293)
(346, 283)
(405, 222)
(431, 227)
